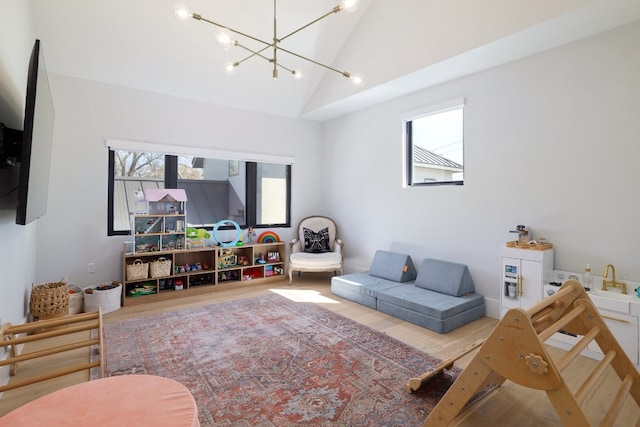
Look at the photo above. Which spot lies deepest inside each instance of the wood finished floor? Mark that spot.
(509, 405)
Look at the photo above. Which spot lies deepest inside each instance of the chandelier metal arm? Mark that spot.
(258, 53)
(344, 73)
(253, 53)
(275, 43)
(200, 18)
(334, 10)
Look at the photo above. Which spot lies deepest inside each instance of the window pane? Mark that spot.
(215, 190)
(132, 173)
(271, 198)
(437, 147)
(244, 192)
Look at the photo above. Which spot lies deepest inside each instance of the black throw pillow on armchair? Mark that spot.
(316, 243)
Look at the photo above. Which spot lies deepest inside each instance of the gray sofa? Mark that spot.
(440, 296)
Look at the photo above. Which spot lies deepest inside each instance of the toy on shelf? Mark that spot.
(251, 235)
(525, 242)
(268, 237)
(227, 259)
(236, 239)
(273, 256)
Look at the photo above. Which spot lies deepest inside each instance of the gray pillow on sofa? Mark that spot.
(392, 266)
(446, 277)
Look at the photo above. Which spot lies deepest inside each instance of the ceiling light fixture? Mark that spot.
(224, 36)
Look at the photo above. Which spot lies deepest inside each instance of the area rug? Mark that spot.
(269, 361)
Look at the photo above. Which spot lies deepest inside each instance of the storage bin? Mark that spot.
(106, 296)
(160, 267)
(138, 270)
(49, 300)
(76, 299)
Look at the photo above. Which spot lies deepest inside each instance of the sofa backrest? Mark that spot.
(392, 266)
(446, 277)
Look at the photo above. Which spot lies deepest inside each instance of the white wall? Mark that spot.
(17, 251)
(17, 243)
(551, 142)
(74, 231)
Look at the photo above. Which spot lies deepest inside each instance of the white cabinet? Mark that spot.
(625, 329)
(621, 319)
(522, 277)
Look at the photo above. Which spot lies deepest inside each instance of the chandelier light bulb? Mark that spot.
(230, 67)
(357, 79)
(224, 38)
(181, 11)
(297, 74)
(349, 5)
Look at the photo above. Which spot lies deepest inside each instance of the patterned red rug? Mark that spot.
(269, 361)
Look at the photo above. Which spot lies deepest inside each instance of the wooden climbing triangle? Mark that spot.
(42, 331)
(515, 351)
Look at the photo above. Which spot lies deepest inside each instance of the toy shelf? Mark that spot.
(200, 270)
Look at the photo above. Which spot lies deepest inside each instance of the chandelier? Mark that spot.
(225, 37)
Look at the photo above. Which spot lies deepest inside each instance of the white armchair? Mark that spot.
(316, 247)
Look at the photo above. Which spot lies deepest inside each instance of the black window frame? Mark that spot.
(409, 159)
(171, 181)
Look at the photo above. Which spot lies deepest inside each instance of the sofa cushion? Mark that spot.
(360, 287)
(326, 260)
(441, 326)
(446, 277)
(392, 266)
(430, 303)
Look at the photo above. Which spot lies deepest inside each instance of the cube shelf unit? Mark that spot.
(154, 233)
(161, 227)
(202, 270)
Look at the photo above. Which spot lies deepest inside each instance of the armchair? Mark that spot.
(316, 247)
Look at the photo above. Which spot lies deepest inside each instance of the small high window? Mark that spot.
(434, 145)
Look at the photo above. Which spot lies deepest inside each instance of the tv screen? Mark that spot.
(37, 139)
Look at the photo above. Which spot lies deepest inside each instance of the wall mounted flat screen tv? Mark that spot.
(37, 141)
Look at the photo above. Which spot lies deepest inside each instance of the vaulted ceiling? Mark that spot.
(399, 46)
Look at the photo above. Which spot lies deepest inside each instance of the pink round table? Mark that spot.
(127, 400)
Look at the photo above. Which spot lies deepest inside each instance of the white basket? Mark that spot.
(76, 300)
(108, 300)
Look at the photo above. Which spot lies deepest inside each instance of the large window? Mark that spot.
(434, 146)
(249, 193)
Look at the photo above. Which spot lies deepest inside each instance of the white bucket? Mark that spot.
(108, 300)
(76, 299)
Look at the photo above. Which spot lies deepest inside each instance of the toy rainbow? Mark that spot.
(268, 237)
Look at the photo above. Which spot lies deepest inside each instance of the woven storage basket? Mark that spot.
(49, 300)
(160, 267)
(138, 270)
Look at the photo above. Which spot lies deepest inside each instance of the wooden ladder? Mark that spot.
(515, 351)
